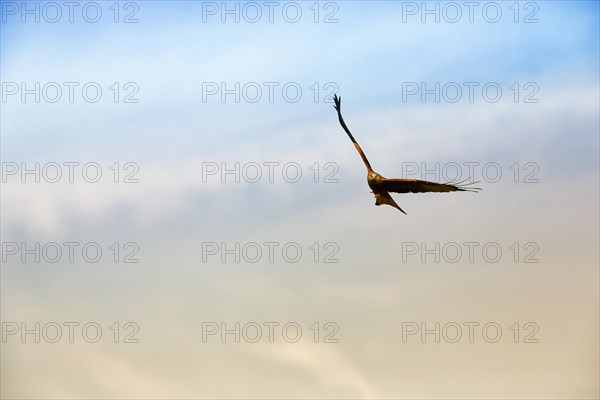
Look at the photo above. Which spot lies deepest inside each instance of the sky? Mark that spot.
(183, 217)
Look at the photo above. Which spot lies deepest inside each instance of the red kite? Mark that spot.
(382, 186)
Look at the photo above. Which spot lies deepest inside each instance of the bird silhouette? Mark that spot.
(382, 186)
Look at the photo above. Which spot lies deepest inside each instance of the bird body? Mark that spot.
(381, 186)
(377, 184)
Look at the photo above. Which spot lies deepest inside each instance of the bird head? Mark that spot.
(372, 175)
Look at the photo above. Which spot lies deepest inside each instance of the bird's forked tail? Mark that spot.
(385, 198)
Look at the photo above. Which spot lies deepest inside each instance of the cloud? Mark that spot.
(326, 362)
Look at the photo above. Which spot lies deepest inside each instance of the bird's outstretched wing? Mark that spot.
(417, 186)
(338, 107)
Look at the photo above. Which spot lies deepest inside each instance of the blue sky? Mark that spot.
(368, 57)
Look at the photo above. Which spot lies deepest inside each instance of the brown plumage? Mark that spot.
(381, 186)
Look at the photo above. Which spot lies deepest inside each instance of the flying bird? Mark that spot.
(382, 186)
